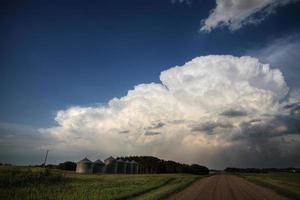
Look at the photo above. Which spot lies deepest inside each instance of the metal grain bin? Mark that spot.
(110, 165)
(134, 167)
(98, 166)
(84, 166)
(128, 167)
(121, 166)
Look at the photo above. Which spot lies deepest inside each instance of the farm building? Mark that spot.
(109, 160)
(98, 166)
(84, 166)
(110, 165)
(134, 167)
(120, 166)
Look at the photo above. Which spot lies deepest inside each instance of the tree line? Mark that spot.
(153, 165)
(260, 170)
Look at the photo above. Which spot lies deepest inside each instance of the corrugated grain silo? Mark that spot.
(121, 165)
(128, 167)
(110, 165)
(109, 160)
(98, 166)
(134, 167)
(84, 166)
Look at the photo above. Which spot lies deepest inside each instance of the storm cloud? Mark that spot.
(234, 113)
(208, 108)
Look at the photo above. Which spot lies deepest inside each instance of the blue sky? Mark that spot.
(57, 53)
(60, 54)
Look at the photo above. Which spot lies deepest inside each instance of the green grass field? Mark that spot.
(36, 183)
(287, 184)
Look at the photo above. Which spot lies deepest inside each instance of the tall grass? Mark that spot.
(284, 183)
(175, 185)
(29, 183)
(37, 183)
(15, 176)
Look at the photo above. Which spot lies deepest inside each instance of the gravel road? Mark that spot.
(225, 187)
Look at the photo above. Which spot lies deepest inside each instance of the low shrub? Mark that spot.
(68, 165)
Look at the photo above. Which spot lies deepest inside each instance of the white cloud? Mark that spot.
(183, 115)
(236, 13)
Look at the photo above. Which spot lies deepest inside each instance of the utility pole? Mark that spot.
(44, 164)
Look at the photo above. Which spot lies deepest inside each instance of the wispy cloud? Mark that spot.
(238, 13)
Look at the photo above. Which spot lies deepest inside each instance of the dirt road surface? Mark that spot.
(225, 187)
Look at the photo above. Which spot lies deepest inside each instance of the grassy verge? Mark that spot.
(286, 184)
(167, 190)
(37, 183)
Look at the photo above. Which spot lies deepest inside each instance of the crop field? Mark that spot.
(287, 184)
(38, 183)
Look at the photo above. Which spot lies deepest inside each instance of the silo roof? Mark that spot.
(99, 161)
(85, 160)
(109, 158)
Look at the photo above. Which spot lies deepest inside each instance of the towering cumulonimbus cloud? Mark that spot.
(236, 13)
(201, 112)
